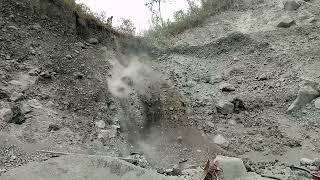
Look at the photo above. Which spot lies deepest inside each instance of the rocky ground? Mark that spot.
(245, 84)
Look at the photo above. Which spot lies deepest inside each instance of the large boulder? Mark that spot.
(232, 168)
(291, 5)
(83, 167)
(306, 94)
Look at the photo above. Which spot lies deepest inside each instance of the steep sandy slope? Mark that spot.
(265, 65)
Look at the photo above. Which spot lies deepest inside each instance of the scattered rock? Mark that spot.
(80, 44)
(225, 107)
(53, 127)
(78, 75)
(233, 168)
(286, 23)
(34, 103)
(220, 140)
(93, 41)
(317, 103)
(13, 28)
(227, 87)
(6, 115)
(305, 95)
(100, 124)
(263, 77)
(305, 162)
(138, 160)
(313, 168)
(316, 162)
(215, 79)
(8, 57)
(107, 133)
(36, 27)
(15, 96)
(68, 56)
(210, 125)
(173, 172)
(25, 109)
(291, 5)
(34, 72)
(46, 75)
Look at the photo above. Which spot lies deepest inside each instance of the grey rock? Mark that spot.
(78, 75)
(25, 109)
(316, 162)
(220, 140)
(6, 115)
(53, 127)
(4, 94)
(263, 77)
(16, 96)
(227, 87)
(215, 79)
(13, 27)
(317, 103)
(305, 162)
(291, 5)
(233, 168)
(68, 56)
(100, 124)
(46, 75)
(286, 23)
(80, 44)
(34, 103)
(306, 94)
(225, 107)
(93, 41)
(36, 27)
(34, 72)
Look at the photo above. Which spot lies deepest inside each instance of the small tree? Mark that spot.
(155, 9)
(127, 27)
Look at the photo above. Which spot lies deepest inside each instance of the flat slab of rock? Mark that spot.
(82, 167)
(306, 94)
(286, 23)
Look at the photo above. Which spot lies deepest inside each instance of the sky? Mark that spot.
(135, 10)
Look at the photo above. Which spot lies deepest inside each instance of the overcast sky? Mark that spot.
(134, 10)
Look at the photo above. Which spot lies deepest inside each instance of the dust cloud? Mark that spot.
(132, 73)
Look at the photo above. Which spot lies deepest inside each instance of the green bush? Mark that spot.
(193, 18)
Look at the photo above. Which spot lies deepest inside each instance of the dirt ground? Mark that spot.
(68, 95)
